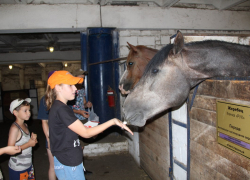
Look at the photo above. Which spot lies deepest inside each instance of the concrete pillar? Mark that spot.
(44, 77)
(1, 109)
(21, 78)
(1, 74)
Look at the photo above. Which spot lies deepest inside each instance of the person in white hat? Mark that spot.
(20, 166)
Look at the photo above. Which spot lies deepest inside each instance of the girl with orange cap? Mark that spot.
(64, 127)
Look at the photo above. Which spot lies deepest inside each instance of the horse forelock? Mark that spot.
(141, 51)
(158, 59)
(130, 55)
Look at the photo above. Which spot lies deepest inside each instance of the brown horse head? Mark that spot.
(138, 58)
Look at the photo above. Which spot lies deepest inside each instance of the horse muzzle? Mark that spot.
(135, 119)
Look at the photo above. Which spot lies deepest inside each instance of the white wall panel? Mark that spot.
(72, 17)
(179, 173)
(125, 17)
(62, 16)
(180, 114)
(180, 143)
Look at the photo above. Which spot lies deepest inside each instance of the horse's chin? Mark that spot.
(138, 123)
(136, 120)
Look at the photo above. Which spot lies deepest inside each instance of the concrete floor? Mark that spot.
(110, 167)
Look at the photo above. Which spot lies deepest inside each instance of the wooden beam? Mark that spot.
(65, 62)
(43, 65)
(65, 16)
(222, 4)
(19, 65)
(169, 3)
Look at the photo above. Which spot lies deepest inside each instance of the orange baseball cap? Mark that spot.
(63, 77)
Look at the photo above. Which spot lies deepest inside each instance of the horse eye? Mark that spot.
(155, 71)
(130, 63)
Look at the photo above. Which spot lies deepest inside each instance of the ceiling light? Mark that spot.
(51, 49)
(10, 66)
(65, 64)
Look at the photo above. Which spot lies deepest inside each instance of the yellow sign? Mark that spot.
(233, 127)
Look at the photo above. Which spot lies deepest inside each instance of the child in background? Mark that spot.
(20, 166)
(64, 127)
(43, 114)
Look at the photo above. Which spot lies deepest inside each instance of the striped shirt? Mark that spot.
(23, 160)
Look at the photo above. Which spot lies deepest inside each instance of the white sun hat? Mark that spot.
(17, 102)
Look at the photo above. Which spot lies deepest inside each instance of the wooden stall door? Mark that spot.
(210, 160)
(154, 149)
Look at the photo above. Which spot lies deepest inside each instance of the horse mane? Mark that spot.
(158, 59)
(211, 43)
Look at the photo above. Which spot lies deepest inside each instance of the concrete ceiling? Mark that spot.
(39, 42)
(66, 42)
(25, 49)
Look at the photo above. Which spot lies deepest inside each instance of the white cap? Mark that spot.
(14, 104)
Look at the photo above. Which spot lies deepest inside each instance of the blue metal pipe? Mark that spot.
(101, 47)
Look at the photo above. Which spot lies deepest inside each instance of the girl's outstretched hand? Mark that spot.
(123, 126)
(11, 150)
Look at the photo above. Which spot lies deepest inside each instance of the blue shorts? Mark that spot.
(27, 174)
(68, 172)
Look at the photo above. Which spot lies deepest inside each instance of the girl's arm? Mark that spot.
(31, 143)
(81, 112)
(87, 104)
(45, 126)
(13, 134)
(81, 130)
(11, 150)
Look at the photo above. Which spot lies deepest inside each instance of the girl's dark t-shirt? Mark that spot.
(64, 143)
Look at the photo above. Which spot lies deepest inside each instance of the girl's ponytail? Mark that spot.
(50, 97)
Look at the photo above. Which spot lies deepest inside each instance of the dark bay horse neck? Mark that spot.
(178, 67)
(138, 58)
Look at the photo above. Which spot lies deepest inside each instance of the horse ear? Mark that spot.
(132, 47)
(178, 43)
